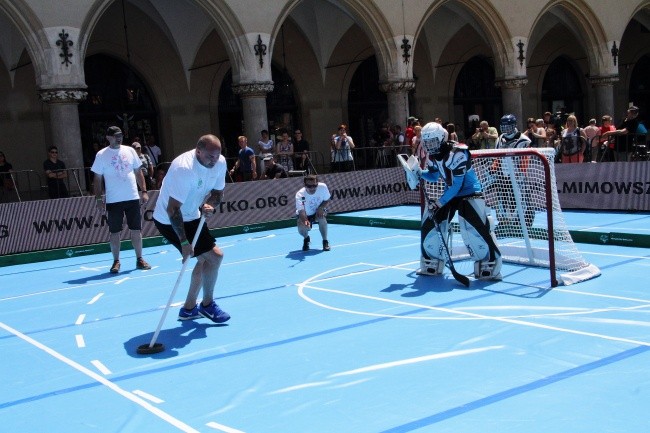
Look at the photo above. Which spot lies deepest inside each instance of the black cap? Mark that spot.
(113, 130)
(633, 108)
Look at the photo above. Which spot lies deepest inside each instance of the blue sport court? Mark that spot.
(350, 340)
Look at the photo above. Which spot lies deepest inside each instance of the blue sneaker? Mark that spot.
(214, 313)
(189, 314)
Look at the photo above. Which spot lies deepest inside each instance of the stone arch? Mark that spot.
(372, 21)
(227, 26)
(30, 28)
(490, 24)
(581, 20)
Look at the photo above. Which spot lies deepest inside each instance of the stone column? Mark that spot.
(253, 96)
(604, 89)
(511, 97)
(398, 102)
(64, 125)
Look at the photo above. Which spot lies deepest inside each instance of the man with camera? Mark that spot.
(485, 136)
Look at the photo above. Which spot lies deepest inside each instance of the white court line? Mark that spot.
(264, 258)
(80, 319)
(148, 396)
(121, 280)
(102, 380)
(95, 299)
(415, 360)
(484, 317)
(85, 286)
(80, 341)
(101, 367)
(301, 293)
(223, 428)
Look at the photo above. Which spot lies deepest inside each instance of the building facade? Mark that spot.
(172, 70)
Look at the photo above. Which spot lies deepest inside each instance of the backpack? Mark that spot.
(571, 143)
(641, 129)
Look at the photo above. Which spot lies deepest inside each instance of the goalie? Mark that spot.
(452, 162)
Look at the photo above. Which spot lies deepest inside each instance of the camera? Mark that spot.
(559, 119)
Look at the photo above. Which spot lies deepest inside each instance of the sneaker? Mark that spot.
(141, 264)
(305, 244)
(116, 267)
(326, 245)
(214, 313)
(189, 314)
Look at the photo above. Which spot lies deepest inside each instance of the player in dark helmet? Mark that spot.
(510, 136)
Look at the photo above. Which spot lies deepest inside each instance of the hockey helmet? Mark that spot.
(434, 138)
(508, 126)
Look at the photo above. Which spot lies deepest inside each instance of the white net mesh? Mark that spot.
(520, 188)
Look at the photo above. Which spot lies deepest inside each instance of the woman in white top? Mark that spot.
(265, 148)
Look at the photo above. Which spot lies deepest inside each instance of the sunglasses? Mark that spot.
(53, 151)
(311, 186)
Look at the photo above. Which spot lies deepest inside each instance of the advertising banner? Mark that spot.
(49, 224)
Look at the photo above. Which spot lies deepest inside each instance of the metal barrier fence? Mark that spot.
(28, 185)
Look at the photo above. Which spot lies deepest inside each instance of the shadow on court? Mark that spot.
(100, 277)
(172, 339)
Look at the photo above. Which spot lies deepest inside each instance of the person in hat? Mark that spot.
(273, 169)
(147, 165)
(118, 167)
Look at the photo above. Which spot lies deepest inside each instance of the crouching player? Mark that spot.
(452, 162)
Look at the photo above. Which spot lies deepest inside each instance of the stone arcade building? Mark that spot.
(175, 69)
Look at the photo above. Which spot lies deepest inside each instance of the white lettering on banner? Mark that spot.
(606, 185)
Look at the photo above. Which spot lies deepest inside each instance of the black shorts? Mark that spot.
(115, 213)
(204, 243)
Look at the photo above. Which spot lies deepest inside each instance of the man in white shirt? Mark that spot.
(118, 167)
(311, 206)
(193, 186)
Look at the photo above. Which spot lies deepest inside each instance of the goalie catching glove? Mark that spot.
(412, 169)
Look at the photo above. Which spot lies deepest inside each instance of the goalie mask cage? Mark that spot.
(520, 190)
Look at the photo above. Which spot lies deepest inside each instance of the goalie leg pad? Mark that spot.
(477, 230)
(432, 247)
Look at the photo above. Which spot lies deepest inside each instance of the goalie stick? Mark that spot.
(463, 279)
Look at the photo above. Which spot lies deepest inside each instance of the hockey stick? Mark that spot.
(450, 264)
(154, 347)
(463, 279)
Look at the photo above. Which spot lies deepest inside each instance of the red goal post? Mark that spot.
(520, 190)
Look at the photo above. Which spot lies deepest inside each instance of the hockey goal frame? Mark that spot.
(536, 244)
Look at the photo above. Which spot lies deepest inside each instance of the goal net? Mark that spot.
(520, 189)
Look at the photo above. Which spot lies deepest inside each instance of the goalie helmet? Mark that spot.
(434, 138)
(508, 126)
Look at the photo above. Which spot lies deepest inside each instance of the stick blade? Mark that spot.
(462, 279)
(148, 349)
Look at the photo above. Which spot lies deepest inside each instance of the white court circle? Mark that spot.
(469, 313)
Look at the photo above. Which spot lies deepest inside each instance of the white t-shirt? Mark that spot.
(190, 183)
(118, 167)
(265, 147)
(312, 201)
